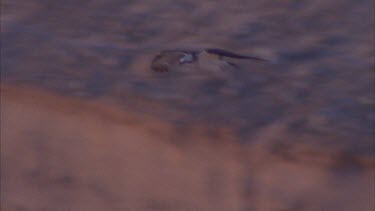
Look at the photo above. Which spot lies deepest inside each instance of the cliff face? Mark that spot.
(61, 153)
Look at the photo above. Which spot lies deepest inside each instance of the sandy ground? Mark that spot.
(86, 125)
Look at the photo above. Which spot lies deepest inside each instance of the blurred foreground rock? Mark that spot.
(61, 153)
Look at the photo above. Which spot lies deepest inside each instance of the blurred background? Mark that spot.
(86, 125)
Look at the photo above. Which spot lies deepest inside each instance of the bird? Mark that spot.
(166, 60)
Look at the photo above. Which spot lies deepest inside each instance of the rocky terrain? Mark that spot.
(86, 125)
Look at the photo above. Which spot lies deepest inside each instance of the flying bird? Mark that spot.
(168, 59)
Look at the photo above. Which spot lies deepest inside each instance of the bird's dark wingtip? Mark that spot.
(229, 54)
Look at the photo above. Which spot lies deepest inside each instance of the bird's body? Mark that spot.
(207, 59)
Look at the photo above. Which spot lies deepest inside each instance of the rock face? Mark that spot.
(86, 125)
(66, 154)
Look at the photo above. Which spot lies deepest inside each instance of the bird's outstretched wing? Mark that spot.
(167, 59)
(225, 53)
